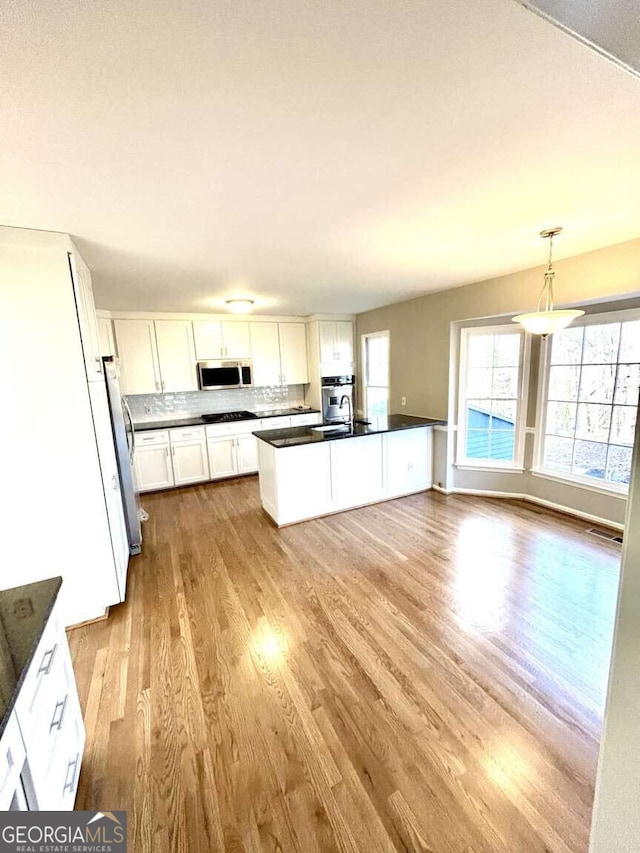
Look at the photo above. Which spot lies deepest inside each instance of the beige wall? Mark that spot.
(419, 328)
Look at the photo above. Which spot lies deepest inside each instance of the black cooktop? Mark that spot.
(225, 417)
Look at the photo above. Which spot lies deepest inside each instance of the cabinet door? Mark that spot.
(265, 350)
(356, 471)
(105, 333)
(223, 461)
(247, 453)
(136, 345)
(176, 355)
(87, 317)
(208, 340)
(190, 461)
(408, 461)
(236, 340)
(293, 353)
(344, 341)
(327, 331)
(153, 468)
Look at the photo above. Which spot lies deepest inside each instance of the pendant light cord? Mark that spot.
(546, 294)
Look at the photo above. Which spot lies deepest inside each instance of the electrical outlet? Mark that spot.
(403, 401)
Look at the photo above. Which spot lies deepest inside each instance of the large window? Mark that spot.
(375, 355)
(589, 401)
(491, 407)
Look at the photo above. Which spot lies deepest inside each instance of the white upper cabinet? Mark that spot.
(344, 340)
(215, 340)
(293, 353)
(265, 349)
(336, 341)
(105, 334)
(138, 354)
(208, 340)
(86, 317)
(176, 355)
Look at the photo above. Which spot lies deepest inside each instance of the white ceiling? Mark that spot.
(319, 155)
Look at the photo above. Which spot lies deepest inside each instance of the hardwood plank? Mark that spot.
(426, 674)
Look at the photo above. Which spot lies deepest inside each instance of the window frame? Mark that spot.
(473, 463)
(363, 350)
(544, 372)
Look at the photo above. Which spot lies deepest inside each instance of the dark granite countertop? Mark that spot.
(296, 436)
(24, 613)
(199, 421)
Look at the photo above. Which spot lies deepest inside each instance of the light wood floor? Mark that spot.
(427, 674)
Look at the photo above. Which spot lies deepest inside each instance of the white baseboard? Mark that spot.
(567, 510)
(441, 490)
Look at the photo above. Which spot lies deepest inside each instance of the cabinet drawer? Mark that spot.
(220, 430)
(306, 420)
(276, 423)
(11, 760)
(247, 427)
(152, 436)
(42, 673)
(186, 433)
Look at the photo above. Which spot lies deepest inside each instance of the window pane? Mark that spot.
(478, 414)
(627, 384)
(601, 343)
(623, 424)
(377, 374)
(506, 351)
(503, 414)
(593, 422)
(479, 381)
(619, 464)
(596, 383)
(558, 453)
(563, 383)
(630, 341)
(590, 459)
(502, 445)
(561, 418)
(567, 346)
(477, 444)
(505, 382)
(480, 350)
(377, 400)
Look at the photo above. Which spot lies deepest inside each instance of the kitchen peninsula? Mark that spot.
(307, 472)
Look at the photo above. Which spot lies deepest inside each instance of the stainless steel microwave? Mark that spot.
(214, 375)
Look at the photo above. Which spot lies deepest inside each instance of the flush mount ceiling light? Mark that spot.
(240, 306)
(545, 320)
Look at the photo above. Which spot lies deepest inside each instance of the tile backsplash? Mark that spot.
(154, 407)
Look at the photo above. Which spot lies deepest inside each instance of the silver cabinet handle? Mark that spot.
(166, 452)
(157, 385)
(47, 660)
(69, 784)
(62, 706)
(114, 482)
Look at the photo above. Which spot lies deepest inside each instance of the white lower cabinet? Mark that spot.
(189, 455)
(222, 457)
(407, 455)
(247, 454)
(44, 738)
(153, 467)
(356, 471)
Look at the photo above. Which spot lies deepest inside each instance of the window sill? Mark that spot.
(492, 469)
(568, 480)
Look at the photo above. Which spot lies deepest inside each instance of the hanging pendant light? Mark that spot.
(545, 320)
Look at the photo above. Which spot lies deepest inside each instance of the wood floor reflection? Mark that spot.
(427, 674)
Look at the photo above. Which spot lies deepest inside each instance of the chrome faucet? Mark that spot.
(348, 399)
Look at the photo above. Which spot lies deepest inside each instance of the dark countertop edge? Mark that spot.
(45, 621)
(197, 420)
(273, 435)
